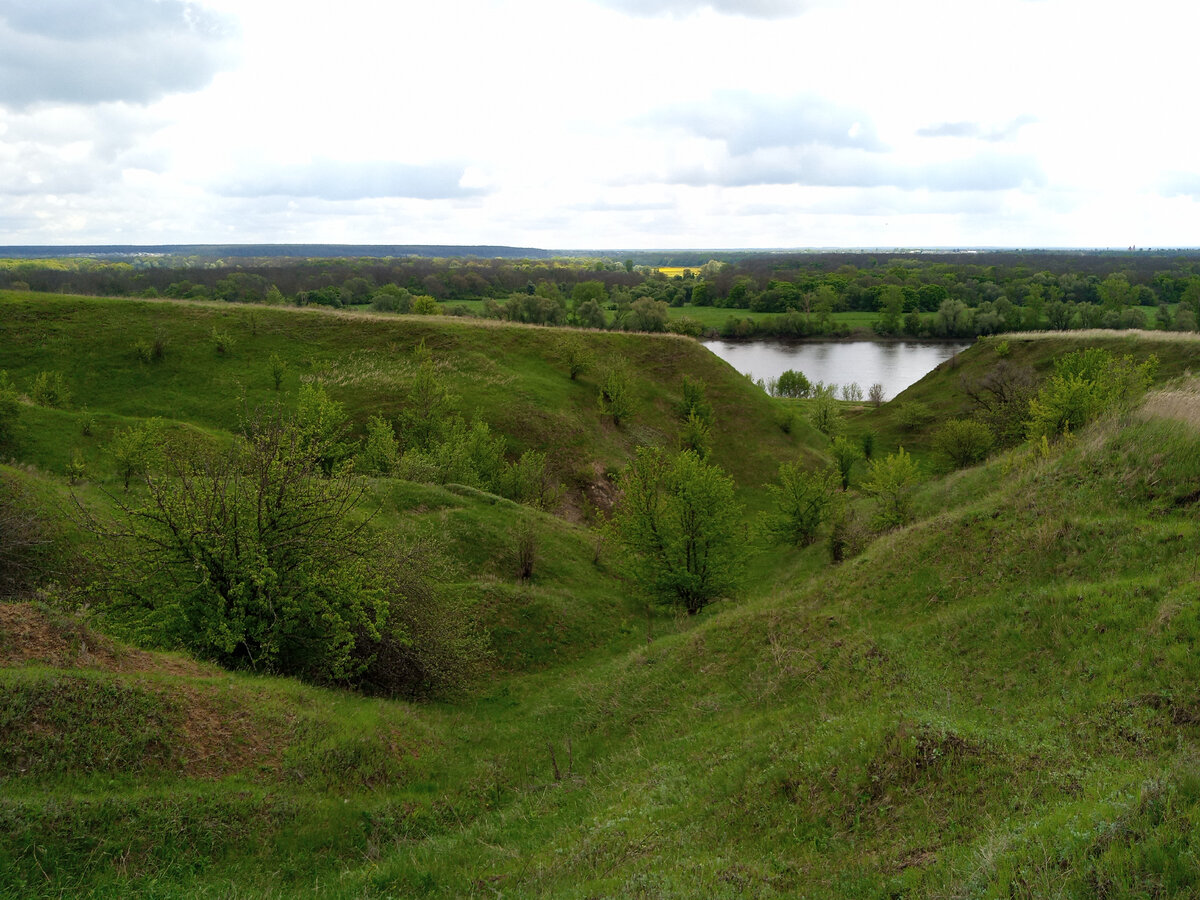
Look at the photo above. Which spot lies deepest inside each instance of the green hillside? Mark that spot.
(998, 700)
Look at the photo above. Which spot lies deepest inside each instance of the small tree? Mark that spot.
(221, 341)
(50, 389)
(380, 454)
(575, 355)
(278, 370)
(694, 402)
(135, 450)
(803, 499)
(322, 424)
(792, 384)
(845, 455)
(891, 481)
(824, 412)
(696, 436)
(616, 393)
(852, 392)
(678, 521)
(875, 395)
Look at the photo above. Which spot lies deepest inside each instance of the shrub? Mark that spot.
(221, 341)
(913, 415)
(875, 395)
(255, 559)
(50, 389)
(891, 481)
(528, 481)
(803, 499)
(425, 305)
(1084, 385)
(848, 535)
(963, 442)
(867, 443)
(87, 422)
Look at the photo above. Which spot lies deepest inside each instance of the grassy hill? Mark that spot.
(998, 700)
(511, 376)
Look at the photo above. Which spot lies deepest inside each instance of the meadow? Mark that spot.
(996, 699)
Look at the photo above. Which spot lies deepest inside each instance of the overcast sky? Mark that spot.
(600, 123)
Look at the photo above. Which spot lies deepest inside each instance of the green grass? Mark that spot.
(997, 701)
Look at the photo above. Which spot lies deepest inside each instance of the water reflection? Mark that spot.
(894, 364)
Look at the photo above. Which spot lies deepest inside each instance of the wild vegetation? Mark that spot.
(394, 605)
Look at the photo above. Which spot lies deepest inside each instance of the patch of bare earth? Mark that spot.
(31, 636)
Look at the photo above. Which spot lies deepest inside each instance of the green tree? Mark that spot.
(136, 449)
(824, 412)
(575, 355)
(323, 425)
(891, 482)
(380, 454)
(792, 384)
(425, 305)
(803, 500)
(278, 370)
(589, 314)
(616, 396)
(426, 405)
(845, 454)
(678, 521)
(695, 402)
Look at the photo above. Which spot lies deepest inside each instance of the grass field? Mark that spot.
(998, 700)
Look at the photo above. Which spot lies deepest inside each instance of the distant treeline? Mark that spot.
(945, 295)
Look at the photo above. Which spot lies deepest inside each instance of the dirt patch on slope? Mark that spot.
(30, 635)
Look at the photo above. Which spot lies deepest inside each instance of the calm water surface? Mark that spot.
(894, 364)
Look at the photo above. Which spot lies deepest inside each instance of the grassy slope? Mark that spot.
(511, 376)
(998, 701)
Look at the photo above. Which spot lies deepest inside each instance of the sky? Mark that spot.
(620, 124)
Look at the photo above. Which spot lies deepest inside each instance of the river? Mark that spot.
(894, 364)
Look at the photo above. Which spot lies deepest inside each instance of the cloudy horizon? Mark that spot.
(656, 124)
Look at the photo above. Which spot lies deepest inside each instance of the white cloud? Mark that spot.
(94, 51)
